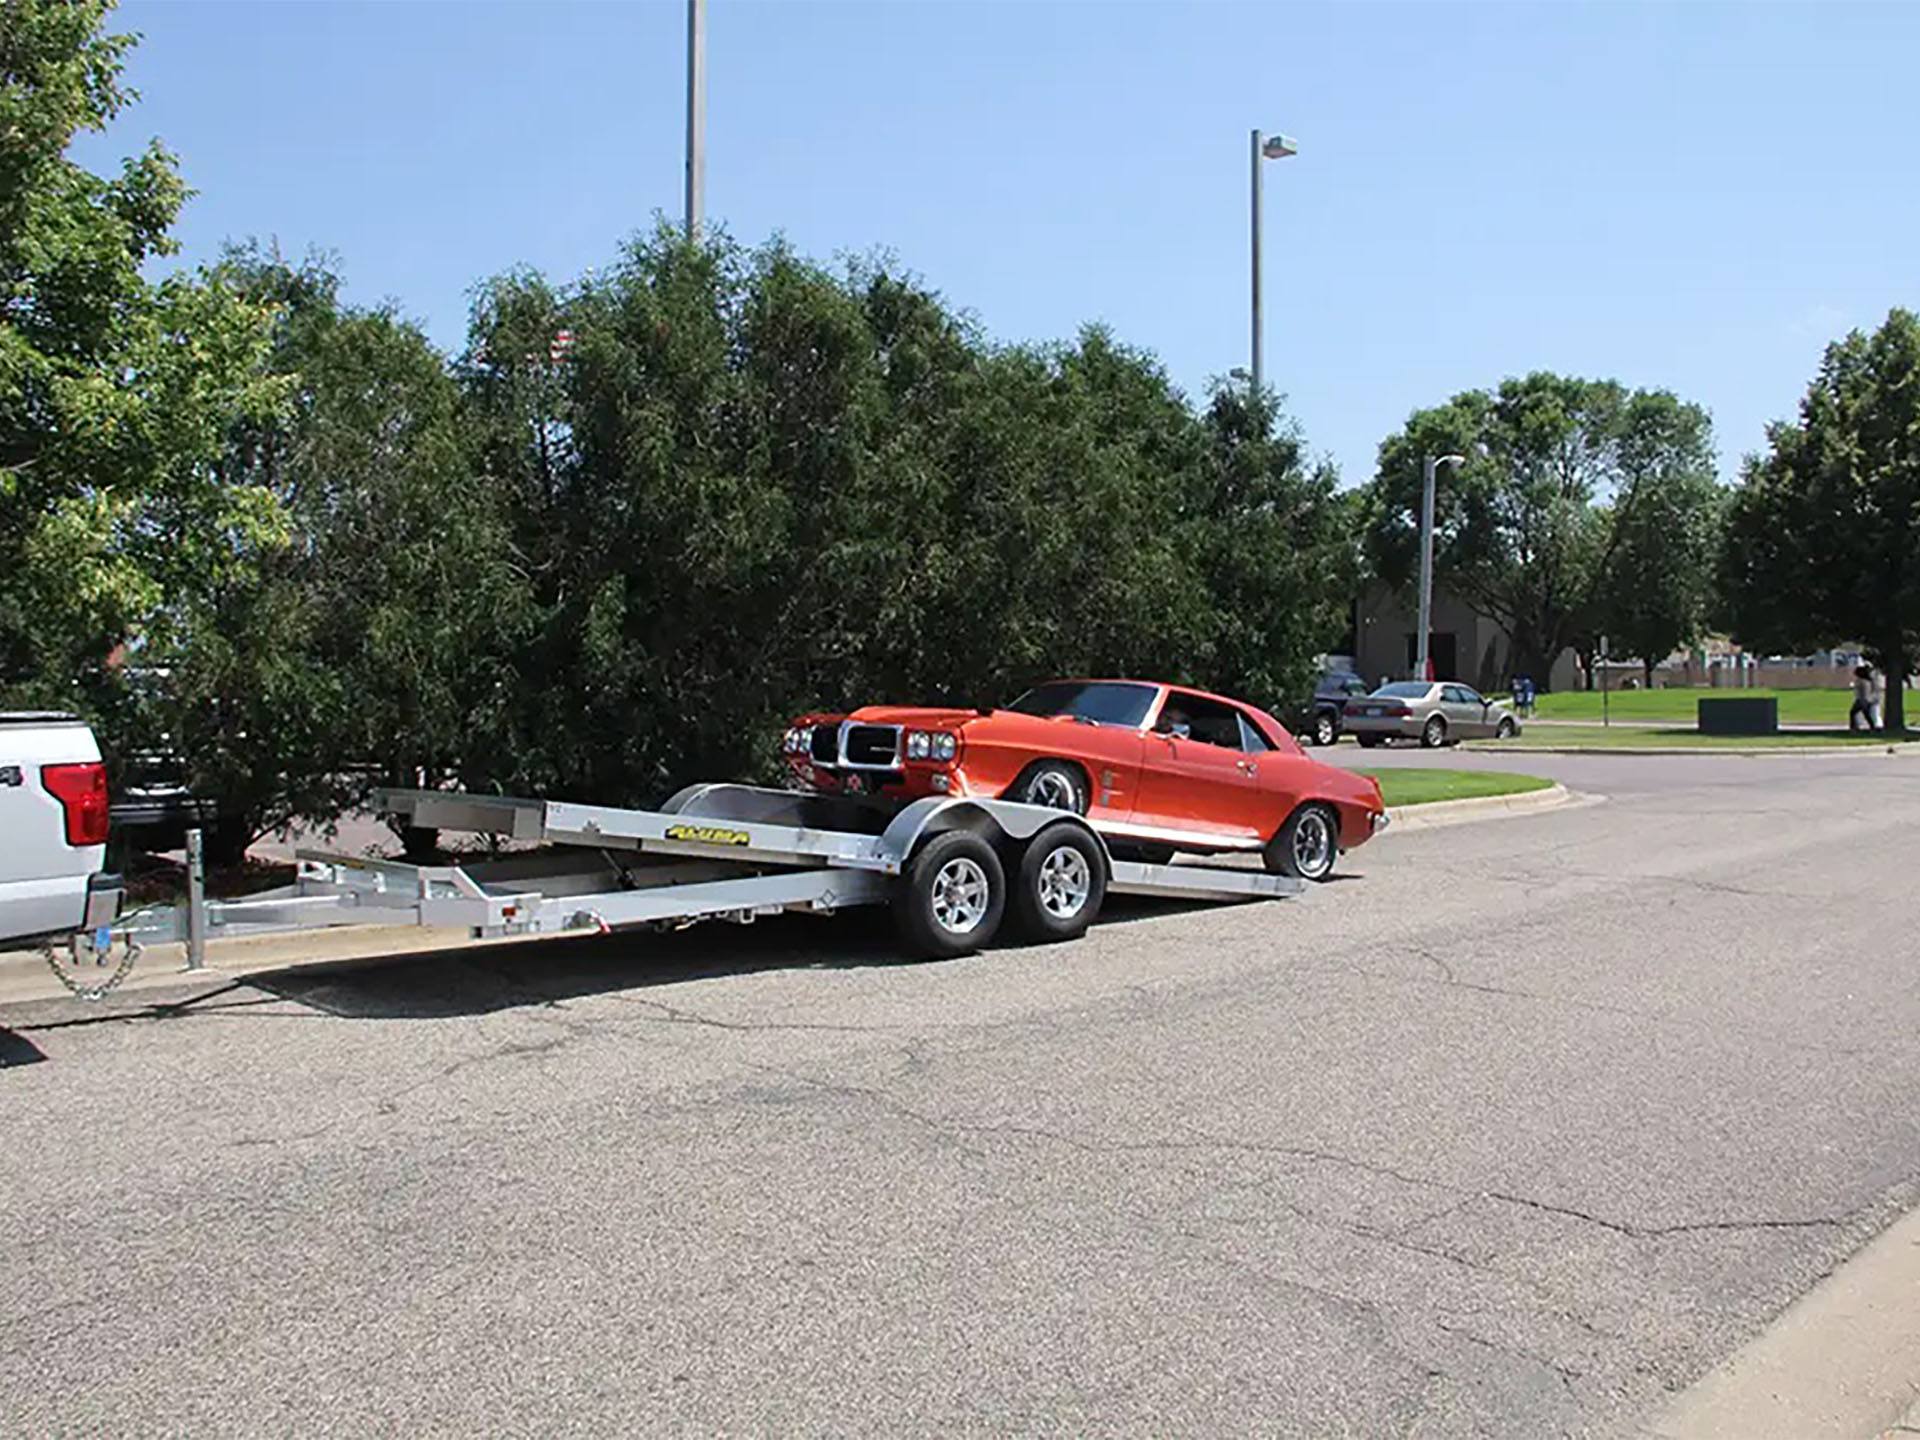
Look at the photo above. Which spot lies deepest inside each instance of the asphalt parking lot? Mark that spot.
(1514, 1129)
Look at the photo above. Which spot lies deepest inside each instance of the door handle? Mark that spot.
(10, 775)
(1248, 768)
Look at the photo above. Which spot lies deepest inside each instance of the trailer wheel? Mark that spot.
(952, 897)
(1061, 884)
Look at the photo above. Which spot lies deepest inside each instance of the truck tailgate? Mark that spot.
(43, 879)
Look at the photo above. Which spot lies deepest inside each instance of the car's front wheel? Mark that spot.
(1054, 784)
(1504, 730)
(1307, 845)
(1325, 732)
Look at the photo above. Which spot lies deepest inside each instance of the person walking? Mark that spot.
(1865, 697)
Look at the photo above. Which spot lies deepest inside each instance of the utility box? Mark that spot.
(1746, 715)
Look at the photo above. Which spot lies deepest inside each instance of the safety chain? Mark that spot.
(92, 992)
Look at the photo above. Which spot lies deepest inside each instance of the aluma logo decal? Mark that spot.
(708, 834)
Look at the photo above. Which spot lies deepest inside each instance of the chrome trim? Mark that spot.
(899, 744)
(1180, 839)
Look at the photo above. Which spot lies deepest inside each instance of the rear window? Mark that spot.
(1405, 690)
(1105, 702)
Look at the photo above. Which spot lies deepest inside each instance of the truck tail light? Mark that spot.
(82, 793)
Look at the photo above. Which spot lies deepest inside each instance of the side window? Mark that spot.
(1207, 721)
(1470, 695)
(1357, 686)
(1251, 740)
(1454, 695)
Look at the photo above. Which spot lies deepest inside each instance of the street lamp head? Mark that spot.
(1452, 460)
(1279, 147)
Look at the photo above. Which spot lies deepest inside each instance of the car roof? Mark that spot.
(1246, 705)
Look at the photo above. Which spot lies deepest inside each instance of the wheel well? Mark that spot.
(1086, 777)
(1332, 811)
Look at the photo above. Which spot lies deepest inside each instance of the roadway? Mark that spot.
(1515, 1129)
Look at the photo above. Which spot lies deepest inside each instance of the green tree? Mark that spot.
(1654, 584)
(1823, 538)
(754, 486)
(1522, 529)
(376, 645)
(116, 392)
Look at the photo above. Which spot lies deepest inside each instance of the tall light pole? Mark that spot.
(1265, 147)
(696, 114)
(1423, 662)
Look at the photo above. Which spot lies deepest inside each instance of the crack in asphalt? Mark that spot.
(1566, 1373)
(951, 1130)
(674, 1015)
(1655, 1232)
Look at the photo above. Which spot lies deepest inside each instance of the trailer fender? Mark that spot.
(1004, 824)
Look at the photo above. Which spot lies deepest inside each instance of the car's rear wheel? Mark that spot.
(1367, 742)
(1307, 845)
(1434, 734)
(1504, 730)
(1055, 784)
(1061, 884)
(1325, 732)
(952, 897)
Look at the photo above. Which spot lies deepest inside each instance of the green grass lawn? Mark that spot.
(1687, 738)
(1422, 786)
(1797, 707)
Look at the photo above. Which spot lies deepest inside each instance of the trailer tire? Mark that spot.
(1061, 884)
(952, 896)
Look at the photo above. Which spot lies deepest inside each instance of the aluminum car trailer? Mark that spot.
(952, 868)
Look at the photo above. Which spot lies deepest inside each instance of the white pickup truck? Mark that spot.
(53, 830)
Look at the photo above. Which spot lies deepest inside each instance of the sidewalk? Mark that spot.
(1843, 1361)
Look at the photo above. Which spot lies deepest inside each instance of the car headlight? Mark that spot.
(943, 746)
(917, 744)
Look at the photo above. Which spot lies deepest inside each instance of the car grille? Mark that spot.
(871, 747)
(856, 747)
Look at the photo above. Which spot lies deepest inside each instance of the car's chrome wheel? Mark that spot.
(1055, 785)
(1066, 880)
(1313, 845)
(1323, 731)
(959, 896)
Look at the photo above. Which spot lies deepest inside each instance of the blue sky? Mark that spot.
(1689, 195)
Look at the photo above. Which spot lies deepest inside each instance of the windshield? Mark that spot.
(1405, 690)
(1103, 702)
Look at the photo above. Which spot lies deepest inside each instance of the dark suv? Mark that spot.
(1318, 721)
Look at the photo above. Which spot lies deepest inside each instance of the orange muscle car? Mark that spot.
(1156, 768)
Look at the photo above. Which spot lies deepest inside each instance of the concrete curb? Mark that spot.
(1842, 1361)
(1483, 807)
(24, 978)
